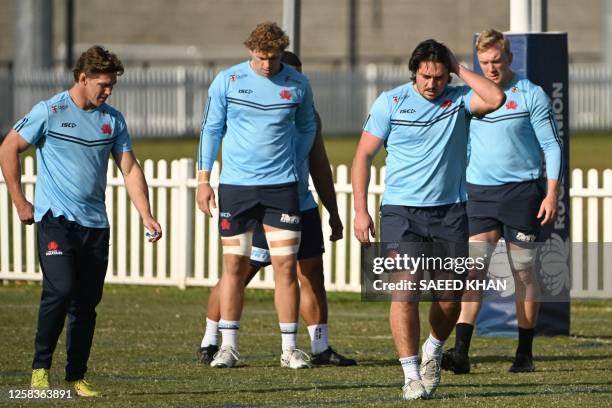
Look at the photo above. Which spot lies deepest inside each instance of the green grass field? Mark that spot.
(144, 356)
(587, 150)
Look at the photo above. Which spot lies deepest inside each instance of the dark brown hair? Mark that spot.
(95, 61)
(429, 50)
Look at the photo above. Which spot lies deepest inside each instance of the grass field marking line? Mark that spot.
(595, 339)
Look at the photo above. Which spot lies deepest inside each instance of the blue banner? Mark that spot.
(543, 59)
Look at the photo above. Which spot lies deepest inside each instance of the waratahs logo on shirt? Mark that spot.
(515, 89)
(57, 108)
(225, 224)
(106, 129)
(396, 99)
(511, 105)
(285, 94)
(447, 103)
(53, 249)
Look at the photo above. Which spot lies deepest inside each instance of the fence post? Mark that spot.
(181, 100)
(577, 235)
(182, 223)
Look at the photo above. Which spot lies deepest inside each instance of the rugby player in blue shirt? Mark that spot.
(313, 299)
(264, 113)
(506, 193)
(423, 126)
(74, 133)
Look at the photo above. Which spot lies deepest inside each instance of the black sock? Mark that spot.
(525, 341)
(463, 337)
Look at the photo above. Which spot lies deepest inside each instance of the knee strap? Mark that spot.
(238, 244)
(283, 242)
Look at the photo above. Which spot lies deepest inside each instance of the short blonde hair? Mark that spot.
(488, 38)
(267, 37)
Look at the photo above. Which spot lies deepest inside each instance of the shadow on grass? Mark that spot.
(273, 390)
(565, 357)
(490, 394)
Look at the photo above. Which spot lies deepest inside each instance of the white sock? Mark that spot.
(318, 338)
(210, 334)
(288, 335)
(433, 346)
(410, 365)
(229, 333)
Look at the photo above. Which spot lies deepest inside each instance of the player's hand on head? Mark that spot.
(454, 62)
(363, 227)
(548, 209)
(206, 198)
(153, 229)
(25, 212)
(336, 226)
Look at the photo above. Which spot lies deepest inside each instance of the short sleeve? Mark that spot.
(378, 122)
(32, 127)
(122, 143)
(466, 95)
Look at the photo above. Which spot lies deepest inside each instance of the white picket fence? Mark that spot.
(169, 101)
(189, 254)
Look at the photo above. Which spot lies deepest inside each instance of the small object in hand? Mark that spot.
(148, 233)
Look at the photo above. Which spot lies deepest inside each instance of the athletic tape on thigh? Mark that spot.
(481, 249)
(283, 235)
(521, 259)
(245, 241)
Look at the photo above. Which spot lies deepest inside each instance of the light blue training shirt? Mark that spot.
(306, 198)
(255, 116)
(426, 143)
(505, 146)
(72, 151)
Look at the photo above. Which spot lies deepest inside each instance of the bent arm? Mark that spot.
(10, 149)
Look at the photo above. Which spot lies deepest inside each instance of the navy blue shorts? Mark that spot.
(437, 232)
(442, 223)
(243, 208)
(511, 208)
(311, 243)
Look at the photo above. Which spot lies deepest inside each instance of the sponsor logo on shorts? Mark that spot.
(260, 254)
(290, 219)
(225, 215)
(53, 249)
(525, 237)
(225, 224)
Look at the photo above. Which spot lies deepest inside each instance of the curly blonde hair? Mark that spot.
(95, 61)
(488, 38)
(267, 37)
